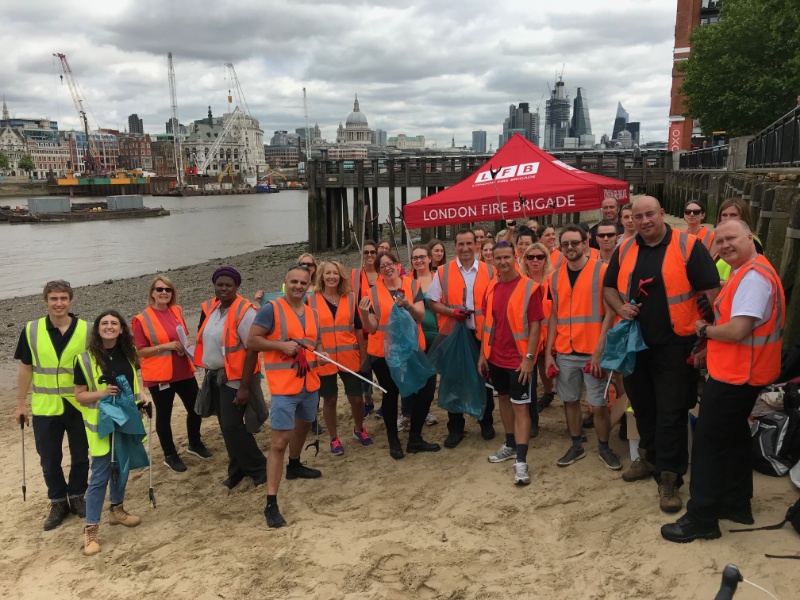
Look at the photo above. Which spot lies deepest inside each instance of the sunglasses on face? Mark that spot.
(572, 244)
(163, 289)
(535, 257)
(606, 235)
(307, 265)
(692, 211)
(367, 252)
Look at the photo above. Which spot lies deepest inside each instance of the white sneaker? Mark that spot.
(504, 453)
(431, 419)
(521, 476)
(403, 423)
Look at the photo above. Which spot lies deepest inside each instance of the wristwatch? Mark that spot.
(702, 332)
(529, 356)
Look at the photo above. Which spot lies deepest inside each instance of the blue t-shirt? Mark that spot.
(266, 317)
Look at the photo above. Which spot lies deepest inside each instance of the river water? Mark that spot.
(198, 229)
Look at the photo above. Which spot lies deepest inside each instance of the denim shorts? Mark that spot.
(285, 409)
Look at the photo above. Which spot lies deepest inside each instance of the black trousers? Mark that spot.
(722, 470)
(186, 390)
(244, 455)
(659, 393)
(420, 402)
(456, 421)
(49, 435)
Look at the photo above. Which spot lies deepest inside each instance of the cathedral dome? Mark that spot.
(356, 118)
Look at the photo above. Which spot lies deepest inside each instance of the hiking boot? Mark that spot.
(395, 449)
(59, 511)
(91, 543)
(639, 469)
(420, 445)
(487, 431)
(301, 471)
(453, 439)
(610, 459)
(403, 423)
(431, 419)
(521, 476)
(669, 500)
(684, 530)
(174, 462)
(545, 400)
(77, 506)
(274, 517)
(200, 451)
(336, 447)
(573, 455)
(362, 436)
(117, 515)
(503, 454)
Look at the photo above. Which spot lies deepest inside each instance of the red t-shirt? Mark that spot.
(504, 352)
(181, 367)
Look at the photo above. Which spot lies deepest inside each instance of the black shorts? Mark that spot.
(328, 387)
(506, 382)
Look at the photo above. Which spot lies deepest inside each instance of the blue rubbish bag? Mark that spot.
(461, 387)
(408, 365)
(623, 342)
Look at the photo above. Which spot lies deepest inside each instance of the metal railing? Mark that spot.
(715, 157)
(778, 145)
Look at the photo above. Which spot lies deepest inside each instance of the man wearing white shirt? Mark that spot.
(456, 295)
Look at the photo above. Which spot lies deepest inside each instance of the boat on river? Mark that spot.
(60, 210)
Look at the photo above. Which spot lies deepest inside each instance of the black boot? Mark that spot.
(58, 512)
(77, 506)
(395, 448)
(417, 444)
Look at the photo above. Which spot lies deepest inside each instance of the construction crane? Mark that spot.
(308, 133)
(218, 142)
(244, 110)
(176, 124)
(92, 162)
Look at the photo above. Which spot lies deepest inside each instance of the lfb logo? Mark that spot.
(522, 170)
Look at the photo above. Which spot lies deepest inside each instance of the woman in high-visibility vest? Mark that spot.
(486, 252)
(734, 208)
(307, 260)
(421, 260)
(694, 214)
(167, 369)
(343, 340)
(111, 353)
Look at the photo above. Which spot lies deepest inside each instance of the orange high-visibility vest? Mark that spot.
(382, 303)
(756, 360)
(281, 375)
(547, 307)
(205, 306)
(516, 313)
(364, 286)
(680, 296)
(556, 259)
(338, 334)
(454, 293)
(594, 254)
(233, 350)
(159, 366)
(579, 309)
(706, 237)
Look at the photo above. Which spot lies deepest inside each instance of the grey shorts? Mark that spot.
(285, 409)
(571, 379)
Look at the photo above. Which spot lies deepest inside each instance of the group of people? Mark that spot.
(537, 306)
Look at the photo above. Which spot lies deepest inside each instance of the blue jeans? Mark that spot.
(96, 494)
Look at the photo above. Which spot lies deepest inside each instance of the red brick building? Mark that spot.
(135, 151)
(163, 154)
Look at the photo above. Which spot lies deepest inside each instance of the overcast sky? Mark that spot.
(438, 68)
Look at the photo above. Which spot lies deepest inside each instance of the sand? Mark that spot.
(445, 525)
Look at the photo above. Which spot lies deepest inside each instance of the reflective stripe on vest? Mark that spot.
(53, 375)
(579, 308)
(158, 367)
(91, 412)
(382, 303)
(233, 349)
(706, 237)
(337, 333)
(756, 360)
(680, 294)
(454, 293)
(281, 376)
(516, 314)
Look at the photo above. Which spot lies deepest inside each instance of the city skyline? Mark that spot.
(467, 87)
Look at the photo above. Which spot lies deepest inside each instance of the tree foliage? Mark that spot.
(26, 163)
(744, 71)
(4, 163)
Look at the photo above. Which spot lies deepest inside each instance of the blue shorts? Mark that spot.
(285, 409)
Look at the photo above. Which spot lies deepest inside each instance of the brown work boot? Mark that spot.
(91, 544)
(117, 515)
(669, 500)
(639, 469)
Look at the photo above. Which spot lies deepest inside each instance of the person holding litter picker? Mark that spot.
(111, 353)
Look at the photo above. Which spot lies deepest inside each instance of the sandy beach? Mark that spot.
(447, 525)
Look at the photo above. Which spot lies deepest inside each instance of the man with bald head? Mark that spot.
(655, 277)
(743, 355)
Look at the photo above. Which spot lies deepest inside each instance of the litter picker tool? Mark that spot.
(493, 173)
(114, 463)
(22, 433)
(341, 366)
(392, 237)
(355, 236)
(315, 443)
(150, 492)
(408, 236)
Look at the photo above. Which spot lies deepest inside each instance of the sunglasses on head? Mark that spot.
(605, 235)
(58, 282)
(692, 211)
(163, 289)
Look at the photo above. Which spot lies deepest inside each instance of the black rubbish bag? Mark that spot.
(769, 434)
(408, 365)
(461, 387)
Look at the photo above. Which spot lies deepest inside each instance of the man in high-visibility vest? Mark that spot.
(579, 322)
(655, 278)
(46, 352)
(293, 379)
(455, 294)
(743, 355)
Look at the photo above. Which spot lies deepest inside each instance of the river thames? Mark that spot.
(199, 228)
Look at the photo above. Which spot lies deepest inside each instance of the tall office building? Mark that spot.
(633, 127)
(580, 124)
(135, 124)
(479, 141)
(620, 121)
(520, 120)
(556, 119)
(379, 137)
